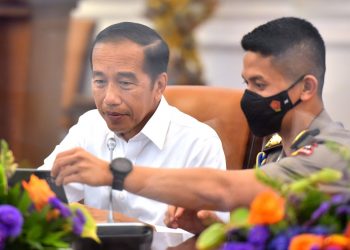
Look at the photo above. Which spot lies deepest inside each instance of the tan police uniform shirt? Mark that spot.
(312, 154)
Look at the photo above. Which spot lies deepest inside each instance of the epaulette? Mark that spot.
(304, 138)
(274, 143)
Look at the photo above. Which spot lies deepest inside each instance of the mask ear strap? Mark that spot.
(297, 102)
(296, 82)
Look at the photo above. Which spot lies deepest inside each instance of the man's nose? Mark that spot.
(113, 95)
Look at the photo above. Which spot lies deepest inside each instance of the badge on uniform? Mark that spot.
(260, 159)
(275, 141)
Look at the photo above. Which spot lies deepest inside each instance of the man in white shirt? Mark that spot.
(129, 63)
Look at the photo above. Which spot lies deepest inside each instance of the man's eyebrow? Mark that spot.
(254, 78)
(97, 73)
(129, 75)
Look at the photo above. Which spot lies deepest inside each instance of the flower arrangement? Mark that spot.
(294, 216)
(32, 217)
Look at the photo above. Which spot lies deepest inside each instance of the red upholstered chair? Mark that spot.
(219, 108)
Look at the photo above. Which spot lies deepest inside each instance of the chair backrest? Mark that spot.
(79, 38)
(219, 108)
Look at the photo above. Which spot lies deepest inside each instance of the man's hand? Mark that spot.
(192, 221)
(78, 165)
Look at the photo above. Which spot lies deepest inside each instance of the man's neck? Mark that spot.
(294, 124)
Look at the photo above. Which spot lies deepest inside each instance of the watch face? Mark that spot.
(122, 165)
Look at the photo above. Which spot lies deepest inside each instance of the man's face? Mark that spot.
(262, 76)
(122, 91)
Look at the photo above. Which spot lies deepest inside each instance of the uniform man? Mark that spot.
(284, 68)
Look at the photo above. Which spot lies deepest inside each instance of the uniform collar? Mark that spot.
(320, 121)
(305, 137)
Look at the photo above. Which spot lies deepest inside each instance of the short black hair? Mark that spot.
(156, 51)
(295, 44)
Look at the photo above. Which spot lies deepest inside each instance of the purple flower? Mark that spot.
(282, 240)
(343, 210)
(319, 230)
(259, 235)
(321, 210)
(57, 204)
(2, 237)
(316, 248)
(334, 248)
(338, 199)
(237, 246)
(78, 222)
(11, 220)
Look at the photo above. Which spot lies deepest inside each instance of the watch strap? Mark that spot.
(118, 182)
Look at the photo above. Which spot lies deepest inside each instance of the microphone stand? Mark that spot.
(111, 143)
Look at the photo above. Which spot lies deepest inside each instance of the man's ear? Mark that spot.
(310, 87)
(160, 84)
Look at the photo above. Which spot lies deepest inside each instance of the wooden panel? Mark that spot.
(32, 49)
(14, 51)
(77, 51)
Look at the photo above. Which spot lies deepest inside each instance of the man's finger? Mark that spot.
(179, 212)
(207, 217)
(66, 172)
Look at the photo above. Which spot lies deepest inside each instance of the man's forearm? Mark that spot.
(200, 188)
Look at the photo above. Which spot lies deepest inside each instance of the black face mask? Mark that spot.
(265, 114)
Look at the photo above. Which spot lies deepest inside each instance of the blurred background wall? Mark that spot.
(54, 76)
(218, 37)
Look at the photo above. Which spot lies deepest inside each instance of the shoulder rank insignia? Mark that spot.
(273, 143)
(305, 137)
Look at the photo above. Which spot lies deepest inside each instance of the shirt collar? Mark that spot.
(157, 126)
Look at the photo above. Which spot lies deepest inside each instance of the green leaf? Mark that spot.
(239, 217)
(35, 232)
(332, 222)
(24, 202)
(343, 150)
(3, 180)
(267, 180)
(212, 237)
(279, 227)
(35, 245)
(55, 239)
(326, 175)
(3, 177)
(299, 186)
(310, 202)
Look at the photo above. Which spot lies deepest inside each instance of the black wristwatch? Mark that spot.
(120, 168)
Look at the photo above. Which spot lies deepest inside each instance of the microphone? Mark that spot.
(111, 144)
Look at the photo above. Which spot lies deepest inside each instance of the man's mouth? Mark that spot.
(114, 116)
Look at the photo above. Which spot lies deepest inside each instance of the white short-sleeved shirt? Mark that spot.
(170, 139)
